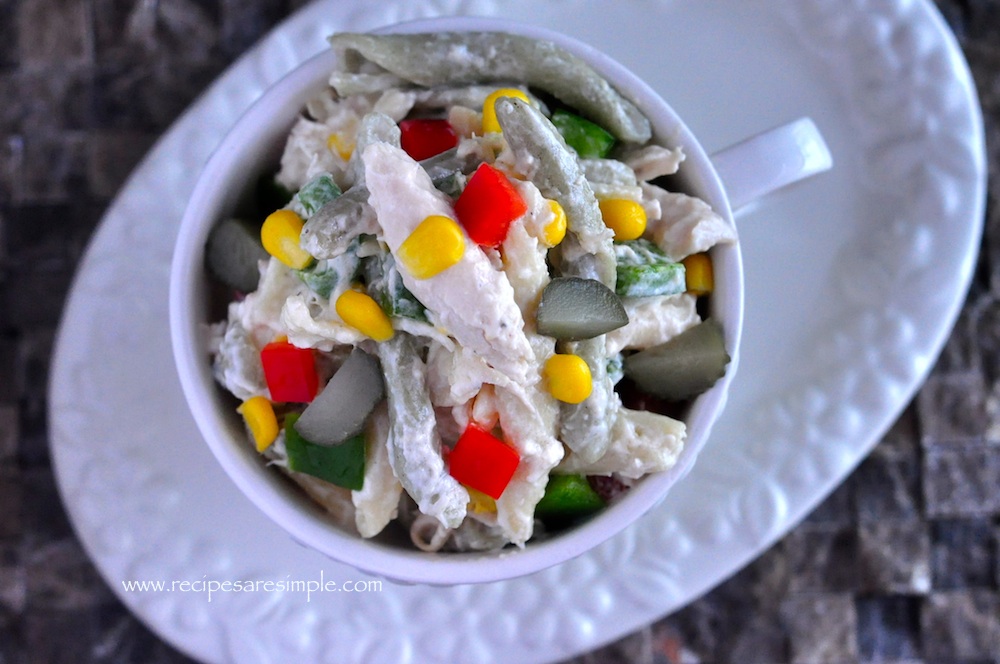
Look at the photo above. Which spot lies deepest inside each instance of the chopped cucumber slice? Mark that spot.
(233, 253)
(682, 367)
(572, 309)
(343, 465)
(341, 409)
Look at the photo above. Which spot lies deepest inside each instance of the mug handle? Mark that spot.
(771, 160)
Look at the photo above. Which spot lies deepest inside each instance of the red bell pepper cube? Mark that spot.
(290, 372)
(482, 461)
(423, 138)
(488, 205)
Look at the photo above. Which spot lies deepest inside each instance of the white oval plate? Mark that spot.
(854, 280)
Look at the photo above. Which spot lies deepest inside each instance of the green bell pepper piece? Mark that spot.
(315, 194)
(568, 497)
(385, 286)
(589, 140)
(323, 276)
(343, 465)
(644, 270)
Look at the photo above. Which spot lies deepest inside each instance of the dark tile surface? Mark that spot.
(888, 628)
(962, 624)
(55, 32)
(822, 628)
(962, 480)
(894, 557)
(887, 485)
(900, 564)
(964, 553)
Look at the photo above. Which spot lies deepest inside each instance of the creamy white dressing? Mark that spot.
(686, 225)
(483, 355)
(471, 300)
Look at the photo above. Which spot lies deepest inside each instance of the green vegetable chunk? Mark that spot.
(588, 139)
(233, 252)
(644, 270)
(568, 497)
(682, 367)
(450, 184)
(315, 194)
(449, 171)
(572, 308)
(342, 408)
(385, 286)
(323, 276)
(343, 465)
(330, 232)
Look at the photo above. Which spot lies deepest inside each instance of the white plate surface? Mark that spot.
(854, 280)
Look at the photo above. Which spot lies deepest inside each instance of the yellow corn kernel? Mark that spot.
(361, 312)
(435, 244)
(343, 147)
(626, 218)
(490, 123)
(555, 230)
(259, 416)
(698, 274)
(280, 236)
(480, 503)
(568, 378)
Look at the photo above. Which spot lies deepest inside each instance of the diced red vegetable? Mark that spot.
(488, 205)
(482, 461)
(290, 372)
(423, 138)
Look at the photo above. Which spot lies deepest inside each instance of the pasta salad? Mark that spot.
(466, 300)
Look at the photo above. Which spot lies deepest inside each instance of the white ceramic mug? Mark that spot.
(747, 171)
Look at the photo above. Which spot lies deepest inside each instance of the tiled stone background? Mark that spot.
(901, 564)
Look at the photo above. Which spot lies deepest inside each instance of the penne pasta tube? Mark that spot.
(430, 60)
